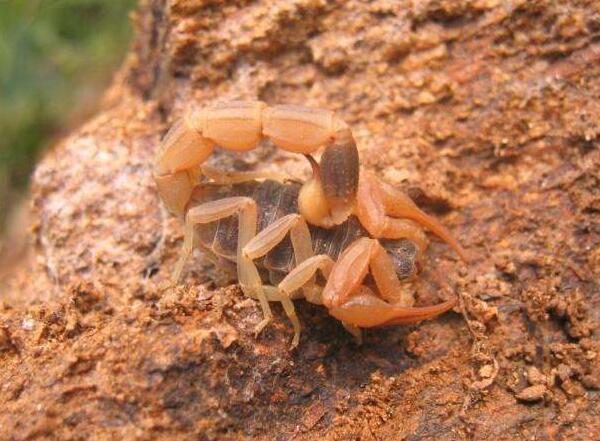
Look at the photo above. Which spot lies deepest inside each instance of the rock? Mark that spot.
(564, 372)
(534, 376)
(591, 382)
(532, 393)
(5, 340)
(489, 107)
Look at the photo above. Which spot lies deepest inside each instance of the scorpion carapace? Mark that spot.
(343, 223)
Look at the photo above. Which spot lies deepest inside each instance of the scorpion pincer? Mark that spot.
(342, 223)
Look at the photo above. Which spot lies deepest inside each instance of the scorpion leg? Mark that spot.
(203, 214)
(351, 302)
(354, 331)
(248, 276)
(302, 277)
(379, 205)
(304, 274)
(268, 239)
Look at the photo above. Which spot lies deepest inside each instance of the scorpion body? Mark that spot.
(344, 226)
(275, 200)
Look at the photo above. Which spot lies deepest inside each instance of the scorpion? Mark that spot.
(343, 226)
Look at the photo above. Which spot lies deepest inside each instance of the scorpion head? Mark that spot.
(405, 256)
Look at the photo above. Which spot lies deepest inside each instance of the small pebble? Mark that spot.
(28, 324)
(590, 382)
(486, 371)
(564, 372)
(534, 376)
(532, 393)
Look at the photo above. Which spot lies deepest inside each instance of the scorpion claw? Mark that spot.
(366, 310)
(379, 207)
(355, 304)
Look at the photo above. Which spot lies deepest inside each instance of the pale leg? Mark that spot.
(355, 331)
(269, 238)
(248, 276)
(303, 276)
(304, 273)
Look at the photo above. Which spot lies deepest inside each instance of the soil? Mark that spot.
(485, 111)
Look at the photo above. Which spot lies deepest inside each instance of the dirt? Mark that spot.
(485, 111)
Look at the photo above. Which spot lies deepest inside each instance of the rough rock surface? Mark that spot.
(487, 111)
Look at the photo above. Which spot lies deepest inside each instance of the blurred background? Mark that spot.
(56, 59)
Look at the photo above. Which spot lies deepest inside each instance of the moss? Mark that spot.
(55, 58)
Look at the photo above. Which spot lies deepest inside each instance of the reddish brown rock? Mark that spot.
(486, 110)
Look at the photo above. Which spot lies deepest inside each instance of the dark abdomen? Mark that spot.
(274, 200)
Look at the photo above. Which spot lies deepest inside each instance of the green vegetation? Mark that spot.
(56, 57)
